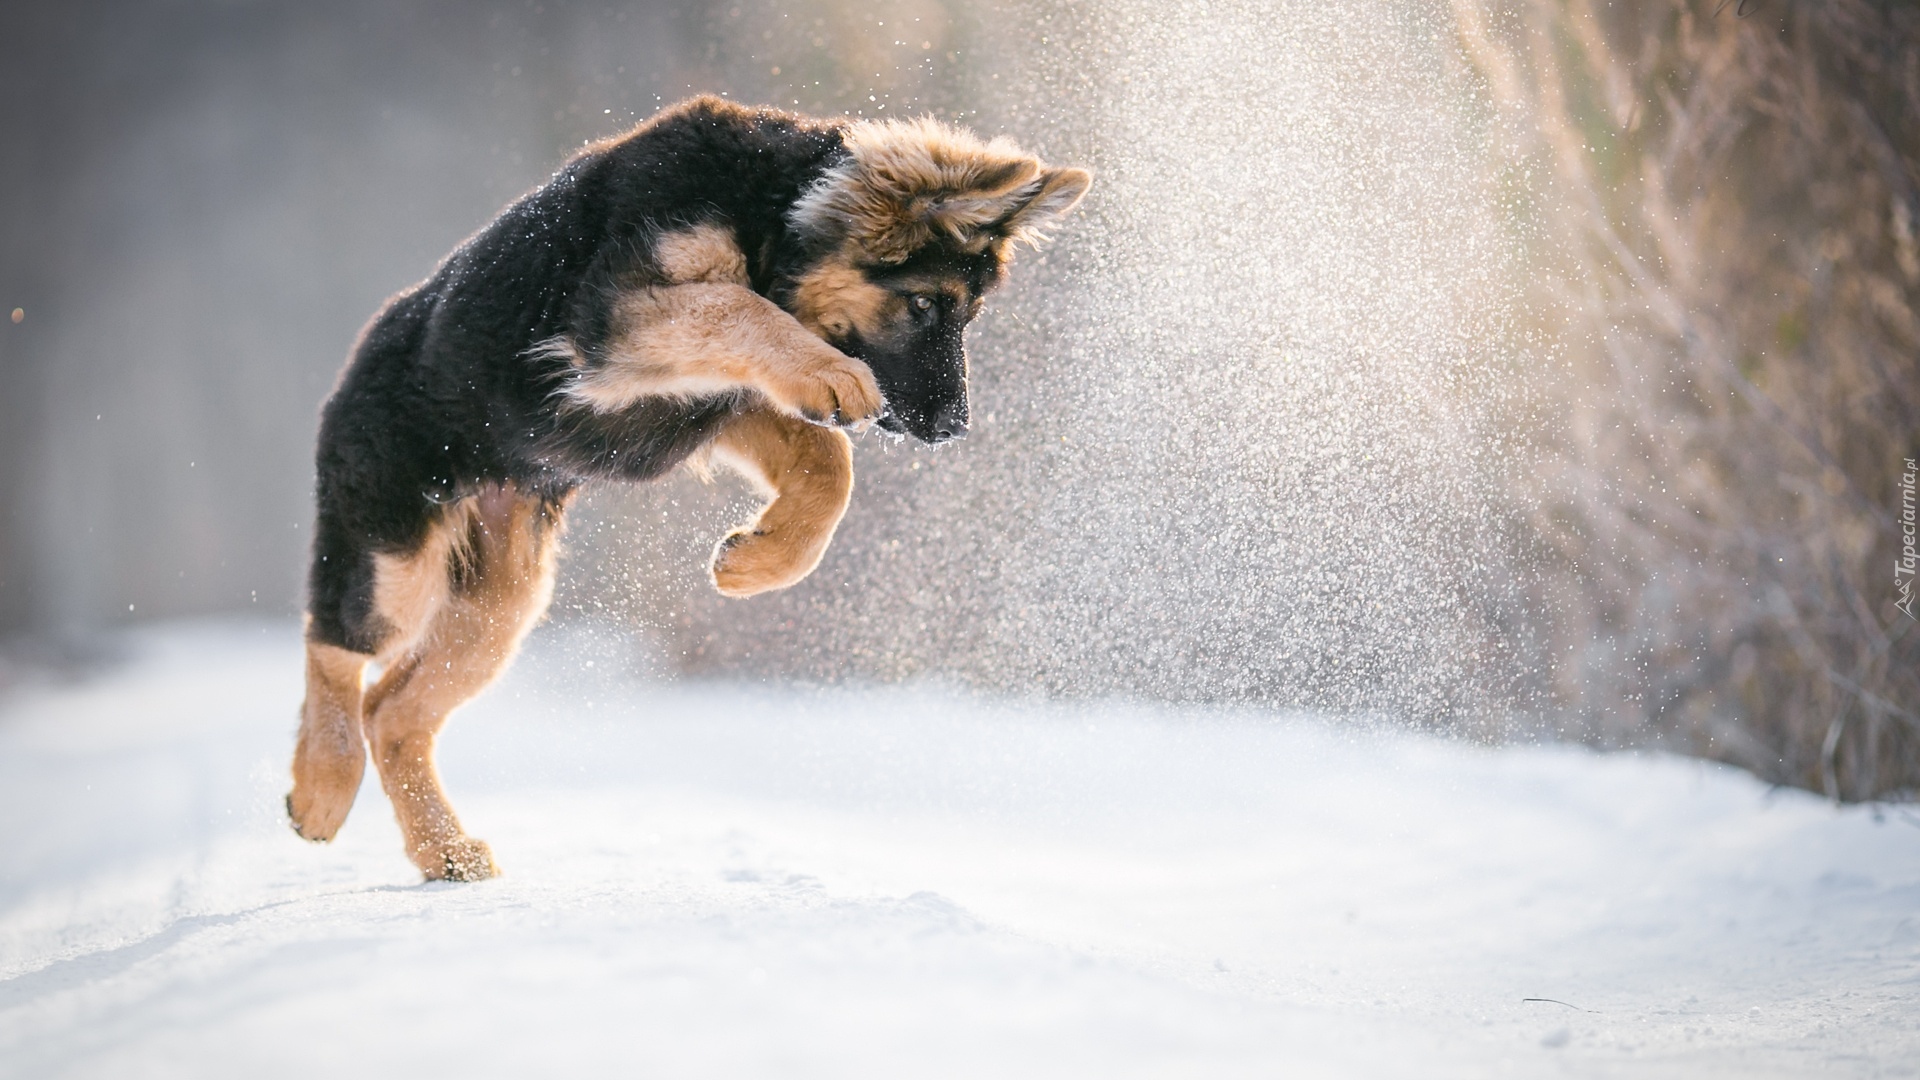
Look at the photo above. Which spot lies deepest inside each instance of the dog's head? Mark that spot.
(905, 236)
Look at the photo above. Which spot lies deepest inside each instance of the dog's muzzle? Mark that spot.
(948, 426)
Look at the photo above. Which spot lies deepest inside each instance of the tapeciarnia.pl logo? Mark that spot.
(1903, 567)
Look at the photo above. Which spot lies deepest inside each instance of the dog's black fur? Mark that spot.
(448, 389)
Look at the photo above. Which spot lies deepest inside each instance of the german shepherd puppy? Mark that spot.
(721, 284)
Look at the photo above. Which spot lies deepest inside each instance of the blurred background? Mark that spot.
(1527, 367)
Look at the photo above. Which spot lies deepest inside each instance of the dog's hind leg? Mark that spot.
(343, 637)
(501, 583)
(807, 471)
(329, 757)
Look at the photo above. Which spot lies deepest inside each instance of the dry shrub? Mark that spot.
(1721, 200)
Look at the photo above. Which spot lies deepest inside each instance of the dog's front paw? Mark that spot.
(837, 390)
(748, 562)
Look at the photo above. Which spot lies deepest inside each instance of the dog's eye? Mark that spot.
(922, 302)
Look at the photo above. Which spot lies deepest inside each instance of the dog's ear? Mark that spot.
(980, 198)
(1052, 194)
(907, 182)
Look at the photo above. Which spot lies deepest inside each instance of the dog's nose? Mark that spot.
(949, 425)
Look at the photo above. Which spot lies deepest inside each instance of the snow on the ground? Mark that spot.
(725, 880)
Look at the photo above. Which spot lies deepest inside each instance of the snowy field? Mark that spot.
(723, 880)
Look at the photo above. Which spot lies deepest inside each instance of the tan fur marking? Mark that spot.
(694, 339)
(472, 634)
(836, 296)
(703, 253)
(808, 472)
(408, 590)
(330, 755)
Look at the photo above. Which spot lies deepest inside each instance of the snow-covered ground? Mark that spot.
(724, 880)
